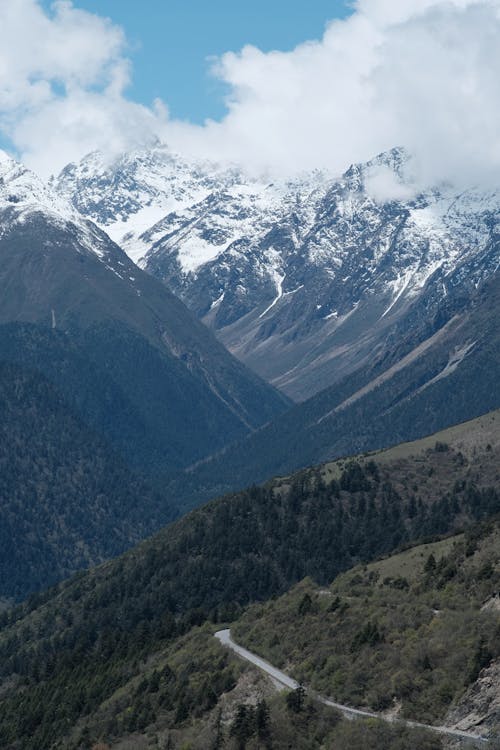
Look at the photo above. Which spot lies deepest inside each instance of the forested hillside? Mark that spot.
(87, 638)
(124, 389)
(66, 500)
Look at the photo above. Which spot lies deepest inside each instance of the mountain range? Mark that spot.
(146, 376)
(304, 280)
(372, 305)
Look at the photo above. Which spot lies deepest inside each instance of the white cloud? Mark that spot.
(67, 128)
(383, 185)
(419, 73)
(62, 78)
(73, 49)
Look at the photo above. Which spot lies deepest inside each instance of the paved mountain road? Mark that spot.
(224, 636)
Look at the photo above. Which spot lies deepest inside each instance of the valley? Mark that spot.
(249, 375)
(173, 335)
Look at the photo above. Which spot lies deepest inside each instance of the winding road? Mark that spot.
(283, 680)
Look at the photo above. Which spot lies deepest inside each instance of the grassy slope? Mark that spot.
(395, 633)
(469, 438)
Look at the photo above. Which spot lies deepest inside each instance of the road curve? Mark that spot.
(224, 636)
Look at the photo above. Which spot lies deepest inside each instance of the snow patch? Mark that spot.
(278, 280)
(217, 301)
(399, 286)
(453, 363)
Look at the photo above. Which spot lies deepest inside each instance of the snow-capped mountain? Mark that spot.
(129, 195)
(23, 196)
(140, 366)
(304, 279)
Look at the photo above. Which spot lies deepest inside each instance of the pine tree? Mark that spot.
(243, 726)
(219, 733)
(262, 722)
(295, 699)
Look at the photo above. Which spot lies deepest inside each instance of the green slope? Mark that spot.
(88, 638)
(409, 633)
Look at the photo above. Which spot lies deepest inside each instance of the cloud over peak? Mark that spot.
(421, 73)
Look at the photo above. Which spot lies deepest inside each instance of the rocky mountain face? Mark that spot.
(127, 354)
(479, 708)
(443, 370)
(303, 280)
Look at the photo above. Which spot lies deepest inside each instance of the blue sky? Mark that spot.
(416, 73)
(170, 41)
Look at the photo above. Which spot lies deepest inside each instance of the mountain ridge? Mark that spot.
(304, 278)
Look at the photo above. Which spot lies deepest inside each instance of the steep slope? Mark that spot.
(303, 279)
(479, 707)
(66, 501)
(444, 369)
(185, 394)
(413, 641)
(93, 638)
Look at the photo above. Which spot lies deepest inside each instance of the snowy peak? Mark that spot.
(129, 194)
(23, 192)
(144, 196)
(201, 233)
(292, 274)
(24, 197)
